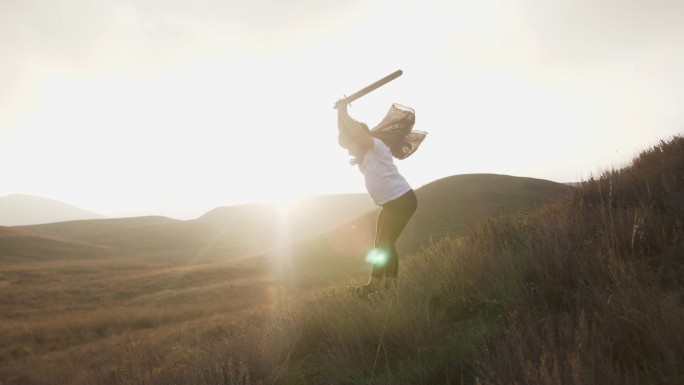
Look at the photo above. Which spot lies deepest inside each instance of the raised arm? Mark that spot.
(358, 131)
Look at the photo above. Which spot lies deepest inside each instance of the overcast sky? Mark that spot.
(176, 107)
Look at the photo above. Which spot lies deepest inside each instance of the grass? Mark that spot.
(91, 322)
(588, 289)
(450, 298)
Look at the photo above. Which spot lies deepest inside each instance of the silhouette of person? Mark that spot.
(373, 152)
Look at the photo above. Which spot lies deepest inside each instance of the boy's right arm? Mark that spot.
(354, 128)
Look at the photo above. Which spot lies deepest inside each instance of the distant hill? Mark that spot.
(20, 210)
(222, 233)
(24, 246)
(449, 206)
(453, 205)
(331, 230)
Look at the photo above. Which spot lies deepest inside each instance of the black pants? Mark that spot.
(392, 219)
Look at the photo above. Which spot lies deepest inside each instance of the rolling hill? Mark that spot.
(223, 233)
(586, 289)
(20, 210)
(336, 226)
(447, 207)
(79, 295)
(24, 246)
(453, 205)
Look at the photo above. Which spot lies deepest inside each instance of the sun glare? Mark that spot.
(377, 256)
(287, 201)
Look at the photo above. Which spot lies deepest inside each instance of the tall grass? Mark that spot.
(588, 290)
(605, 280)
(450, 298)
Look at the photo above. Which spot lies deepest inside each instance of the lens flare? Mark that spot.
(377, 256)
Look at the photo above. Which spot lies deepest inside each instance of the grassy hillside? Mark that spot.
(331, 225)
(447, 207)
(24, 246)
(584, 290)
(222, 233)
(589, 290)
(453, 205)
(132, 300)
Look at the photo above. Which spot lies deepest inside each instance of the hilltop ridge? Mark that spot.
(20, 210)
(447, 206)
(465, 201)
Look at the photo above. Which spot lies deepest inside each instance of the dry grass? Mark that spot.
(605, 284)
(587, 290)
(125, 321)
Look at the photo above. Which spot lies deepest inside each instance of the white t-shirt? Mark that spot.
(383, 181)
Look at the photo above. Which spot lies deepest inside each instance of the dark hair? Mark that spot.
(395, 144)
(396, 131)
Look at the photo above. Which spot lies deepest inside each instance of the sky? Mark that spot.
(175, 107)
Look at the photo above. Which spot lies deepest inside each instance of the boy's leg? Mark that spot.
(382, 233)
(392, 220)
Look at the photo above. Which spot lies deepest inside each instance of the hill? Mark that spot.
(223, 233)
(452, 206)
(587, 289)
(337, 226)
(20, 210)
(584, 289)
(23, 246)
(116, 300)
(447, 207)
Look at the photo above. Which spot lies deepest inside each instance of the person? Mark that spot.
(373, 152)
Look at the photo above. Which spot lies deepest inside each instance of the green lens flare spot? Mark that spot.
(377, 257)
